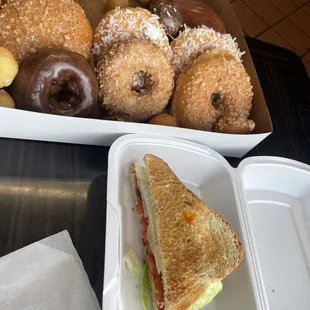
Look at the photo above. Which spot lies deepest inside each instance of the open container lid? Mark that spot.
(275, 193)
(271, 214)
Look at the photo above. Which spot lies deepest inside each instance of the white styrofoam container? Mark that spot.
(266, 200)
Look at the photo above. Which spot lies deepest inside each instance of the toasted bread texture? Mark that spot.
(197, 245)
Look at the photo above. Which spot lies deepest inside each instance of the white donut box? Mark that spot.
(20, 124)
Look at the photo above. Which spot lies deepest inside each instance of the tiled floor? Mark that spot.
(281, 22)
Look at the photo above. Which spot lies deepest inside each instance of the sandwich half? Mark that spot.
(189, 247)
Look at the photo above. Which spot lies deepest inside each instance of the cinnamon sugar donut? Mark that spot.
(137, 86)
(27, 26)
(193, 41)
(122, 24)
(214, 93)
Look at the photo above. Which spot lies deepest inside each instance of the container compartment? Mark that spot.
(277, 194)
(203, 171)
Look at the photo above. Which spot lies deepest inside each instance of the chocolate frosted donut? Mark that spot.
(198, 13)
(169, 15)
(56, 81)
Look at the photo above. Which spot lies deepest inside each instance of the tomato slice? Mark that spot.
(156, 278)
(139, 209)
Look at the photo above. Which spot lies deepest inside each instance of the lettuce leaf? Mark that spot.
(145, 286)
(134, 264)
(213, 289)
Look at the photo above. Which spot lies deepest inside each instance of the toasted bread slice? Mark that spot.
(196, 245)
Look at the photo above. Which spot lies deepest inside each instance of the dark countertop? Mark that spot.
(48, 187)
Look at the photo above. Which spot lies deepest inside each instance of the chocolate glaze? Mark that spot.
(169, 14)
(56, 81)
(198, 12)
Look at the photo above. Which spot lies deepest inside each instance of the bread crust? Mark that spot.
(134, 183)
(196, 252)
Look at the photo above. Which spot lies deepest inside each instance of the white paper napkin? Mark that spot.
(46, 275)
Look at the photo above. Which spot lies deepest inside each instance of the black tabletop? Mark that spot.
(48, 187)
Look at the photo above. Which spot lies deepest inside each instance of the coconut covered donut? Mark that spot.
(122, 24)
(135, 79)
(27, 26)
(193, 41)
(214, 94)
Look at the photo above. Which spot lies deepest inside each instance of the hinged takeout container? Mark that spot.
(266, 200)
(35, 126)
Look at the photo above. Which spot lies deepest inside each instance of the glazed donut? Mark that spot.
(198, 13)
(135, 79)
(6, 100)
(193, 41)
(214, 93)
(8, 67)
(122, 24)
(164, 120)
(28, 26)
(56, 81)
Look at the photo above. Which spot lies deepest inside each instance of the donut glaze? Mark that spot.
(56, 81)
(198, 13)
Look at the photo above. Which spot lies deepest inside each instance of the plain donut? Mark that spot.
(214, 94)
(27, 26)
(138, 86)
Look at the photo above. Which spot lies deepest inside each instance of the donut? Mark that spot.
(164, 120)
(169, 15)
(122, 24)
(198, 13)
(193, 41)
(118, 117)
(234, 124)
(27, 26)
(56, 81)
(8, 67)
(213, 93)
(135, 79)
(6, 100)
